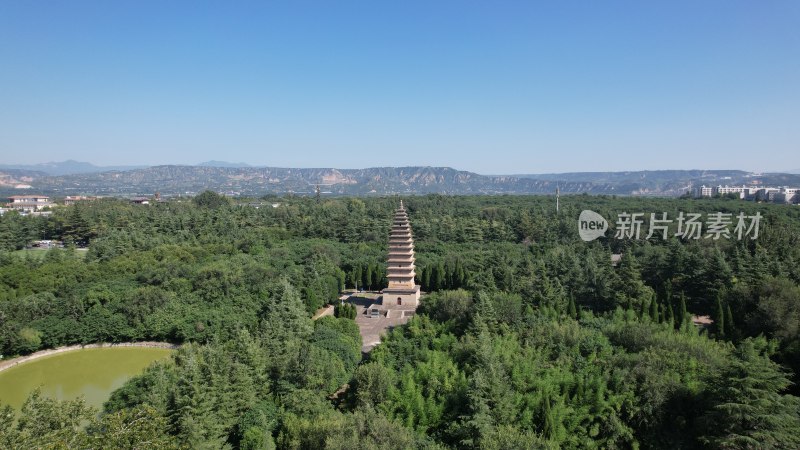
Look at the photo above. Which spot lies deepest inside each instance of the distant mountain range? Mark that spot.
(68, 167)
(72, 167)
(214, 163)
(244, 180)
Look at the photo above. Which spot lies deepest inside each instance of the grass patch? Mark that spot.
(38, 253)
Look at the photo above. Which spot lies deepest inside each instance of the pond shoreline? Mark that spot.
(7, 364)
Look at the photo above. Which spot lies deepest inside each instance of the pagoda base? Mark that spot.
(400, 298)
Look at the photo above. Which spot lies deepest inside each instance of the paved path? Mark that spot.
(322, 312)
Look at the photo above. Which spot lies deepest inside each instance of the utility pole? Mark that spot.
(557, 193)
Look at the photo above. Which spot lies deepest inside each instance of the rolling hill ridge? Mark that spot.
(257, 181)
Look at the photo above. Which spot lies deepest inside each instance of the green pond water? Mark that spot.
(93, 373)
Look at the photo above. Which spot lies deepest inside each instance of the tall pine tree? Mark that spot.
(719, 319)
(682, 312)
(748, 409)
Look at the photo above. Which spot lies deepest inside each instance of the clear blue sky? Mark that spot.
(488, 86)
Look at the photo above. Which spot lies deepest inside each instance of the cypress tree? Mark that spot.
(670, 314)
(377, 274)
(357, 273)
(654, 310)
(645, 309)
(571, 310)
(287, 307)
(729, 318)
(484, 316)
(368, 277)
(460, 275)
(347, 311)
(668, 292)
(549, 422)
(720, 317)
(448, 275)
(438, 277)
(681, 312)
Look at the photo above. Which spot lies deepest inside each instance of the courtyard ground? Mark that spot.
(372, 328)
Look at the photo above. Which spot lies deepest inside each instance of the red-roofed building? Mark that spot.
(72, 199)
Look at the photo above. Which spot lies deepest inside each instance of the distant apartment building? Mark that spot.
(704, 191)
(708, 191)
(771, 194)
(742, 191)
(28, 203)
(785, 195)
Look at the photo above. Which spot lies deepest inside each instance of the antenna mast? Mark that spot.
(557, 193)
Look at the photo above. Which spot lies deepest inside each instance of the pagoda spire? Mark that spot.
(402, 290)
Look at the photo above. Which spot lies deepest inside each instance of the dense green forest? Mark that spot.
(529, 338)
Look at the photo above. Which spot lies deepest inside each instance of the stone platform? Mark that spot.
(372, 328)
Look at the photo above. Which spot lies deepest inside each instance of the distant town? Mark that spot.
(38, 204)
(754, 193)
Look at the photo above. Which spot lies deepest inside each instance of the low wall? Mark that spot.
(7, 364)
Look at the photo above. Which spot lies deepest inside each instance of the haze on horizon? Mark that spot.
(493, 88)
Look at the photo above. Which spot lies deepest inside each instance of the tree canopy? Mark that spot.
(528, 337)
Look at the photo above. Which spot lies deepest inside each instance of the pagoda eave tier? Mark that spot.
(401, 290)
(405, 275)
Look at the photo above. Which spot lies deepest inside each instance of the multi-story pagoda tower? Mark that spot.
(401, 291)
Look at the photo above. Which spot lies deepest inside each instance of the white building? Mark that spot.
(703, 191)
(785, 195)
(742, 191)
(29, 203)
(771, 194)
